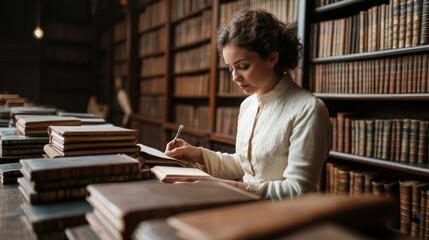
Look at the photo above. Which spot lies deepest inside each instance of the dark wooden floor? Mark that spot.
(12, 225)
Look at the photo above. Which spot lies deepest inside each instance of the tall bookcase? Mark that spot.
(368, 60)
(66, 54)
(182, 80)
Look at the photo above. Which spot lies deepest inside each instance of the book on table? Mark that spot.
(267, 218)
(118, 208)
(12, 143)
(171, 174)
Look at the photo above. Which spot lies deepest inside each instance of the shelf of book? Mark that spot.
(192, 45)
(150, 29)
(186, 129)
(372, 55)
(380, 97)
(140, 117)
(227, 139)
(337, 5)
(412, 168)
(190, 15)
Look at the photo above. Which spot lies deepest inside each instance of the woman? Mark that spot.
(284, 132)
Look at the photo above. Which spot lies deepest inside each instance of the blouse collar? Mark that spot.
(280, 88)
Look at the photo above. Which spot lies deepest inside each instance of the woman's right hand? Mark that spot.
(184, 151)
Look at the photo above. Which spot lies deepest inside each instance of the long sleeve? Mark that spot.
(222, 165)
(308, 150)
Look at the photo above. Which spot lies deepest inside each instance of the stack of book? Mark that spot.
(50, 220)
(91, 140)
(7, 96)
(118, 208)
(38, 125)
(13, 144)
(31, 110)
(9, 172)
(47, 180)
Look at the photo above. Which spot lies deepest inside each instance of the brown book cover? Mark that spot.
(126, 204)
(405, 201)
(370, 136)
(409, 23)
(386, 139)
(90, 145)
(395, 23)
(422, 154)
(424, 38)
(47, 170)
(402, 22)
(417, 18)
(405, 140)
(248, 221)
(413, 140)
(53, 151)
(99, 133)
(415, 207)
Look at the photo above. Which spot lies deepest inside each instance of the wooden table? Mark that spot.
(12, 225)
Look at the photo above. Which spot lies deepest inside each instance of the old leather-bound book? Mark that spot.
(97, 133)
(38, 125)
(262, 220)
(122, 206)
(47, 170)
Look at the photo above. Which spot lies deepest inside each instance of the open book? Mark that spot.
(154, 157)
(167, 173)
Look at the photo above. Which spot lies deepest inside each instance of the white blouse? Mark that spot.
(280, 149)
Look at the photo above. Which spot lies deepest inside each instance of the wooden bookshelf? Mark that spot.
(420, 169)
(376, 97)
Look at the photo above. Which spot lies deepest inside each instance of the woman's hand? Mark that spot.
(184, 151)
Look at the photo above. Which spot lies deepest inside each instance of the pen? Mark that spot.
(177, 135)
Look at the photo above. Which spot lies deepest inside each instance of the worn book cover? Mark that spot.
(126, 204)
(91, 145)
(130, 150)
(47, 170)
(56, 216)
(268, 218)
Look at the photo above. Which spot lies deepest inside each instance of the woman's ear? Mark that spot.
(274, 58)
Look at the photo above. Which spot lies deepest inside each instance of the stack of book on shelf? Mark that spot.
(7, 96)
(48, 221)
(13, 144)
(10, 172)
(12, 100)
(118, 208)
(48, 180)
(91, 140)
(85, 118)
(277, 219)
(31, 110)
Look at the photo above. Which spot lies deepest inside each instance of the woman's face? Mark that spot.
(249, 71)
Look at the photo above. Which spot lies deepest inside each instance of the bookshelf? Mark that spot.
(368, 62)
(182, 80)
(67, 54)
